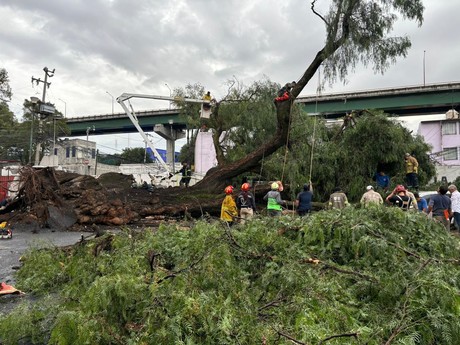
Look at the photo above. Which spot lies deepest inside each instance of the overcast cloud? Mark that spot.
(118, 46)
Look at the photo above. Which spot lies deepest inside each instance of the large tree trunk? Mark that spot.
(218, 177)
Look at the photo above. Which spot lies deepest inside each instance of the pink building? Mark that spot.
(444, 137)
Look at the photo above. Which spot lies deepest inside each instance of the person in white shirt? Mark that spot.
(455, 198)
(371, 197)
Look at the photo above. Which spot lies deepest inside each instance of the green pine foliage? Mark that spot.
(384, 276)
(347, 158)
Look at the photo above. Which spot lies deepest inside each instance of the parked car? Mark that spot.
(428, 195)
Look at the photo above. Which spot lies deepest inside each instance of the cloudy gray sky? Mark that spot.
(100, 48)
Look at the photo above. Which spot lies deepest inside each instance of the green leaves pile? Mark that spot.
(382, 277)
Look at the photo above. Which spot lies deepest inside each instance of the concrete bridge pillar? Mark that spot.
(171, 135)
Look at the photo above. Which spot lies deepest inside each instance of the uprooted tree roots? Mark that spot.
(38, 190)
(60, 200)
(56, 199)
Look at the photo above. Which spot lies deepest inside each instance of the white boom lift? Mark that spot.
(132, 116)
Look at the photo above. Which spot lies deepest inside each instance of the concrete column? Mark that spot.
(170, 134)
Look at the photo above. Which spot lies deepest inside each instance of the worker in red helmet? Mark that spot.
(399, 198)
(228, 211)
(245, 202)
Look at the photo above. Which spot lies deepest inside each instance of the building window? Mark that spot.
(55, 151)
(449, 128)
(74, 151)
(67, 152)
(93, 153)
(450, 154)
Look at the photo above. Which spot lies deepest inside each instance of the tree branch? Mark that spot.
(341, 270)
(404, 313)
(395, 245)
(355, 335)
(316, 13)
(287, 336)
(189, 267)
(274, 303)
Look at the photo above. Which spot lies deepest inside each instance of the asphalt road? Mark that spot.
(23, 239)
(12, 249)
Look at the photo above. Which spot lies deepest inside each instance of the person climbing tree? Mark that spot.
(285, 92)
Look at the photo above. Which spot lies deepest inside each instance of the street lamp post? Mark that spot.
(424, 67)
(170, 94)
(113, 99)
(65, 107)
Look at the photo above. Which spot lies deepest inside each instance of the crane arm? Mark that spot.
(127, 96)
(135, 122)
(132, 116)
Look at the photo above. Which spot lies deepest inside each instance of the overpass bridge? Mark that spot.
(401, 101)
(120, 122)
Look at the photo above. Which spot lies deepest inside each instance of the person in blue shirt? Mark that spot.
(382, 180)
(303, 200)
(421, 203)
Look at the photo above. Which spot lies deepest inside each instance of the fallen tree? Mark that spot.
(357, 31)
(369, 276)
(58, 200)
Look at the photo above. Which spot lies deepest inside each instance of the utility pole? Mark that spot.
(34, 101)
(46, 84)
(170, 94)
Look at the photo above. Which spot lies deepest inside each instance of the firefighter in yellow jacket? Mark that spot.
(411, 171)
(229, 211)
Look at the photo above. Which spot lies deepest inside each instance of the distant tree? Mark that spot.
(26, 134)
(109, 159)
(7, 125)
(135, 155)
(5, 88)
(8, 121)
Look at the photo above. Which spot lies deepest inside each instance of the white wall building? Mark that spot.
(444, 137)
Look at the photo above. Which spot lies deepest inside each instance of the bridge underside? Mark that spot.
(120, 123)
